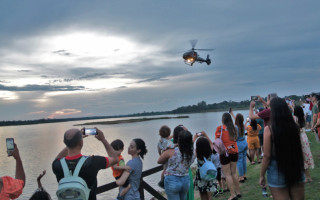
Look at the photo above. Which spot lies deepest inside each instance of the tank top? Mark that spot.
(177, 167)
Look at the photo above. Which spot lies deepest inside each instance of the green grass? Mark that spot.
(251, 189)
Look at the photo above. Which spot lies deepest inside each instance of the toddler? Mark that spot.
(164, 144)
(118, 168)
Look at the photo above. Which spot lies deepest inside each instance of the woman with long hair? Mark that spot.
(176, 180)
(137, 149)
(242, 148)
(229, 162)
(204, 150)
(307, 156)
(253, 140)
(175, 137)
(283, 158)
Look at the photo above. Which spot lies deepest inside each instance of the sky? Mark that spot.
(61, 59)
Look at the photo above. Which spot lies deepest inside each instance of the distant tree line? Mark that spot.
(199, 107)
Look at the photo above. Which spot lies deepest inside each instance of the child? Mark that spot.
(163, 144)
(118, 168)
(216, 161)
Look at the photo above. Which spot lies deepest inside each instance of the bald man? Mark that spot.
(73, 139)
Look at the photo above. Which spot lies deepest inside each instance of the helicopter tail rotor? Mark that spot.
(208, 60)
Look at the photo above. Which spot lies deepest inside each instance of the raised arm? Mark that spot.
(232, 114)
(39, 178)
(251, 114)
(262, 101)
(19, 166)
(112, 156)
(63, 153)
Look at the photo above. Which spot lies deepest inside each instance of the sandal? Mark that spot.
(252, 163)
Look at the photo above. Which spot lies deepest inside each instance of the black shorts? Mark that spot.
(224, 160)
(126, 183)
(218, 174)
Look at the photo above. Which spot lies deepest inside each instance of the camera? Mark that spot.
(254, 98)
(89, 131)
(10, 146)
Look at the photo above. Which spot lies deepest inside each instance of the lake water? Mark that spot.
(40, 144)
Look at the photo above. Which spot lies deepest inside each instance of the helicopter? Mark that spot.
(191, 56)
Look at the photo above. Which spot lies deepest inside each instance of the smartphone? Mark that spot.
(10, 146)
(199, 134)
(90, 131)
(230, 109)
(254, 98)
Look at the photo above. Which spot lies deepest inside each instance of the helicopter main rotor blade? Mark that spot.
(205, 49)
(193, 43)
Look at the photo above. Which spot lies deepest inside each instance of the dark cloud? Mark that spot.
(260, 48)
(62, 53)
(41, 88)
(24, 70)
(92, 76)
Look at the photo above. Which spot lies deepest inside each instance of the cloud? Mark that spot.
(62, 53)
(64, 112)
(37, 112)
(41, 88)
(24, 70)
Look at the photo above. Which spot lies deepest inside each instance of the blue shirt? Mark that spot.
(261, 123)
(134, 179)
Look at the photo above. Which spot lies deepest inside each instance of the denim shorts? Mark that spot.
(308, 118)
(275, 178)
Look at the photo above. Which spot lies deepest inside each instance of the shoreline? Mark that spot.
(128, 121)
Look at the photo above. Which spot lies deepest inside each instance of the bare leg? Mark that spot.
(251, 151)
(233, 166)
(257, 154)
(205, 195)
(296, 192)
(308, 177)
(227, 173)
(280, 193)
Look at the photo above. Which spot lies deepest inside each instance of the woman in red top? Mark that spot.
(229, 163)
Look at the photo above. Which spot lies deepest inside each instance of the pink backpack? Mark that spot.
(219, 146)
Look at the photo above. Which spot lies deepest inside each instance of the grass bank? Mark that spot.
(251, 189)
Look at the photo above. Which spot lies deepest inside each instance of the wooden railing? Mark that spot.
(143, 185)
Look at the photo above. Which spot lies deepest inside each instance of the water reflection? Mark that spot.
(40, 144)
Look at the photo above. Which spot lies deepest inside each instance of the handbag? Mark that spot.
(219, 146)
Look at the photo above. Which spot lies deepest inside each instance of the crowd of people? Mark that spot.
(274, 135)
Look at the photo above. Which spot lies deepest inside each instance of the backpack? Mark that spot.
(219, 146)
(208, 171)
(72, 186)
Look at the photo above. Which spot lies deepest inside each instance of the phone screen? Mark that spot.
(10, 146)
(90, 131)
(199, 134)
(254, 98)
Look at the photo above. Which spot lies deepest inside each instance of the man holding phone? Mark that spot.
(11, 188)
(265, 114)
(73, 138)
